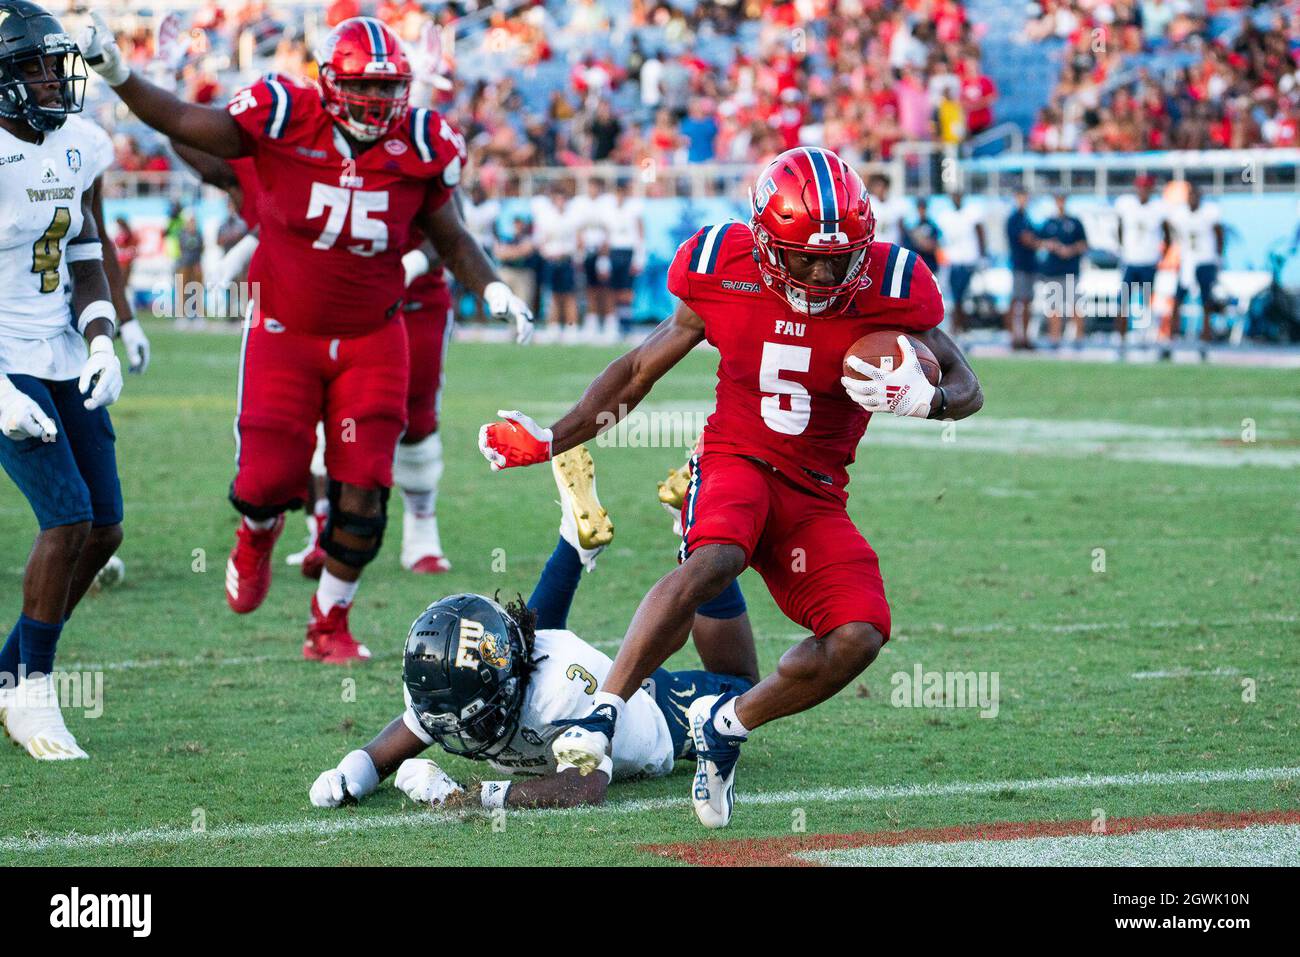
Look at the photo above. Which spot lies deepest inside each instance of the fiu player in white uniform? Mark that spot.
(57, 443)
(499, 684)
(1198, 230)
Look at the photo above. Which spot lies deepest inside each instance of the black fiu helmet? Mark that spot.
(36, 54)
(465, 668)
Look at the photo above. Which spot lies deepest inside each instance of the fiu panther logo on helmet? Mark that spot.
(494, 649)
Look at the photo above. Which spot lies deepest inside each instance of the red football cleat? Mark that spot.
(248, 570)
(311, 560)
(431, 565)
(328, 638)
(313, 563)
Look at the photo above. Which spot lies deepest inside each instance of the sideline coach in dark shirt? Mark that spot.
(1063, 242)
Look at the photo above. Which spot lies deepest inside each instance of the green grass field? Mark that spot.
(1166, 684)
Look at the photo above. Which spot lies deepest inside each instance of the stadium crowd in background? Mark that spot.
(1241, 88)
(856, 76)
(738, 81)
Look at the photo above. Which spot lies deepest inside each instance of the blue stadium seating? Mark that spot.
(1024, 72)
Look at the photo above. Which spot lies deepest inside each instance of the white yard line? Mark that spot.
(1184, 673)
(342, 822)
(1267, 845)
(1200, 446)
(607, 644)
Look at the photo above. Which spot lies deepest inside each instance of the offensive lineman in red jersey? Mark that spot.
(427, 315)
(782, 299)
(346, 172)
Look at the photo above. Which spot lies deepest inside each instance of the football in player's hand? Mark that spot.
(880, 348)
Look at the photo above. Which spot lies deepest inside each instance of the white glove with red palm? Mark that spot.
(516, 441)
(904, 391)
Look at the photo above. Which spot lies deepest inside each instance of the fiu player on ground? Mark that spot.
(345, 173)
(782, 299)
(500, 684)
(58, 442)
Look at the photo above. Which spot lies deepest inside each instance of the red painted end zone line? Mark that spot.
(778, 851)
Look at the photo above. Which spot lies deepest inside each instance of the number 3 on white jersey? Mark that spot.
(778, 358)
(337, 200)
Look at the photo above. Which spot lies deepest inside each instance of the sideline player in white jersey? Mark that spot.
(58, 442)
(497, 684)
(1141, 247)
(1198, 230)
(625, 224)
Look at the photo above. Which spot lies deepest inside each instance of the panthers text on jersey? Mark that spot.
(41, 190)
(568, 672)
(334, 225)
(779, 397)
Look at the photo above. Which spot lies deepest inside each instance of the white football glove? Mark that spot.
(424, 782)
(101, 376)
(904, 391)
(236, 259)
(502, 303)
(101, 52)
(329, 788)
(136, 344)
(414, 265)
(171, 43)
(354, 778)
(21, 418)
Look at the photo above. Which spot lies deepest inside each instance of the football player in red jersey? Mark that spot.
(346, 171)
(782, 298)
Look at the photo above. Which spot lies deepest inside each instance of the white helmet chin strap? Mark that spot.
(800, 302)
(364, 132)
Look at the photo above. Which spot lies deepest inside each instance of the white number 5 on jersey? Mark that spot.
(778, 358)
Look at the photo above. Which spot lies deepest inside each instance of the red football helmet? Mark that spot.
(365, 77)
(810, 202)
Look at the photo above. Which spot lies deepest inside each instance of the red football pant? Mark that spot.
(428, 330)
(289, 381)
(819, 569)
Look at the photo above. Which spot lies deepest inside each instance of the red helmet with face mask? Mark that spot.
(810, 201)
(364, 51)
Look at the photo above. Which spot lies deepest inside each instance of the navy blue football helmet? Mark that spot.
(42, 73)
(465, 667)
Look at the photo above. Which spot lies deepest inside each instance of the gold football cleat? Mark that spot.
(575, 477)
(672, 490)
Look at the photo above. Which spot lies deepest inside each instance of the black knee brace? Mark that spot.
(362, 526)
(260, 513)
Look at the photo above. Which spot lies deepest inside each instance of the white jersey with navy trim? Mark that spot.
(568, 673)
(41, 190)
(1194, 231)
(1143, 239)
